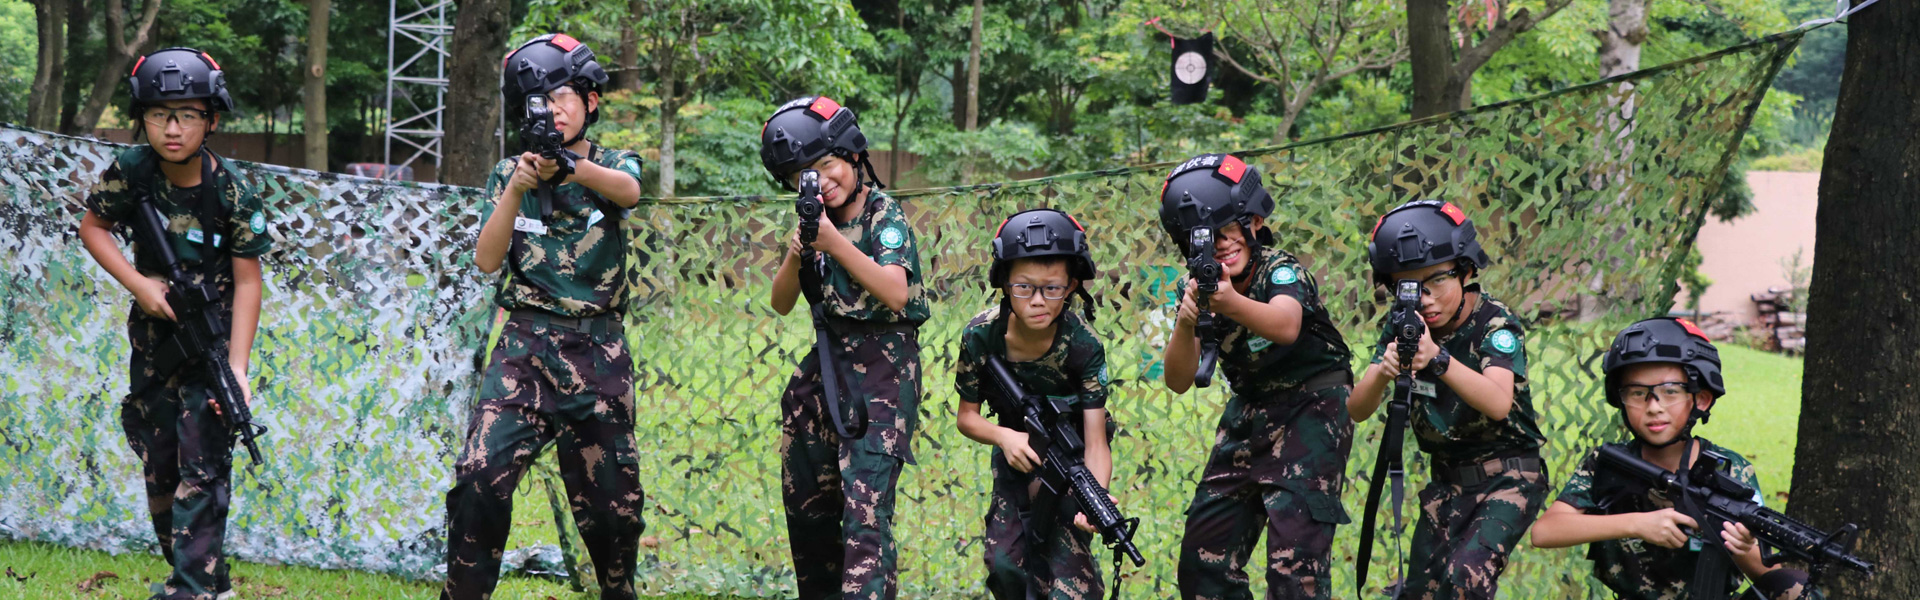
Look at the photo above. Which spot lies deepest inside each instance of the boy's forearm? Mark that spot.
(99, 243)
(1558, 529)
(1277, 321)
(786, 284)
(1098, 456)
(976, 426)
(1480, 391)
(1180, 359)
(497, 233)
(247, 292)
(1367, 393)
(616, 186)
(889, 285)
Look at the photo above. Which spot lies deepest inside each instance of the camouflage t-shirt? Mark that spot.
(1257, 367)
(882, 233)
(136, 173)
(1631, 567)
(1453, 432)
(574, 264)
(1075, 365)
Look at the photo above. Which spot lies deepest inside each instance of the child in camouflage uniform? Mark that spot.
(561, 369)
(865, 268)
(1664, 376)
(1282, 442)
(1039, 257)
(217, 227)
(1471, 410)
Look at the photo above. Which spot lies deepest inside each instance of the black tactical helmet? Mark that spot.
(808, 129)
(1664, 340)
(545, 63)
(179, 74)
(1041, 232)
(1213, 190)
(1423, 233)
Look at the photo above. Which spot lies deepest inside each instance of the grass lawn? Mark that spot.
(1760, 415)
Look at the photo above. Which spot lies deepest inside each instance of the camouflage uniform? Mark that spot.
(839, 496)
(1637, 570)
(185, 449)
(1022, 518)
(1465, 532)
(560, 371)
(1278, 454)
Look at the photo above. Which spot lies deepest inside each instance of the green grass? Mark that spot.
(58, 572)
(1760, 415)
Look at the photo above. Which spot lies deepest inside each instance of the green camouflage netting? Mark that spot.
(374, 314)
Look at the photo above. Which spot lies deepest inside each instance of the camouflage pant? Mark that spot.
(186, 456)
(839, 494)
(1054, 561)
(1782, 584)
(1276, 462)
(546, 383)
(1461, 543)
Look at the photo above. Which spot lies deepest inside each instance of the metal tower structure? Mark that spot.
(417, 36)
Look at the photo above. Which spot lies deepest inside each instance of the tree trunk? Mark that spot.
(121, 48)
(469, 146)
(79, 17)
(973, 69)
(43, 99)
(1855, 462)
(1620, 41)
(316, 84)
(1430, 55)
(669, 121)
(627, 77)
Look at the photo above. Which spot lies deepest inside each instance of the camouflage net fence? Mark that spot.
(374, 314)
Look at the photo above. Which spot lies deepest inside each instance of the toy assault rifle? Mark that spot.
(812, 268)
(199, 336)
(1048, 422)
(1712, 498)
(540, 136)
(1405, 324)
(1205, 273)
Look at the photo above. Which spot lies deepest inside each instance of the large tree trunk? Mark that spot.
(468, 146)
(1430, 50)
(973, 69)
(316, 84)
(669, 122)
(627, 74)
(43, 98)
(1620, 44)
(121, 48)
(79, 18)
(1856, 459)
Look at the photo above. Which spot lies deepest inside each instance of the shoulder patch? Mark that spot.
(259, 223)
(892, 237)
(1505, 342)
(1284, 275)
(1103, 375)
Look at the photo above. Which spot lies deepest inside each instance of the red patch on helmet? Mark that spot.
(1163, 188)
(1076, 222)
(825, 107)
(1376, 227)
(1232, 168)
(136, 66)
(508, 57)
(564, 41)
(1453, 212)
(1002, 227)
(1692, 329)
(216, 66)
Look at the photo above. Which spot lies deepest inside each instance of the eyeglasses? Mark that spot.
(158, 116)
(1025, 290)
(1437, 279)
(564, 94)
(1672, 394)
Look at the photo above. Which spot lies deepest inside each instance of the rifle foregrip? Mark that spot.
(1106, 517)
